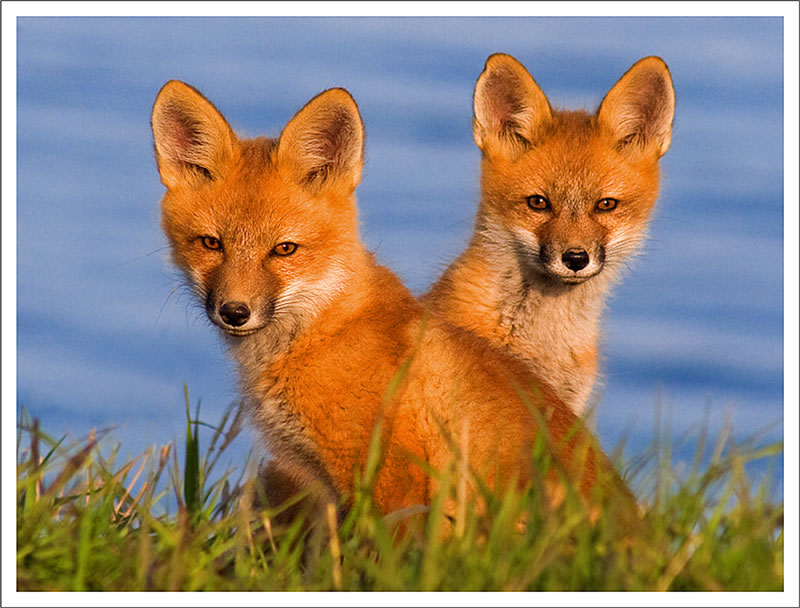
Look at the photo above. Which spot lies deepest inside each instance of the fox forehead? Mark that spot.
(253, 203)
(575, 162)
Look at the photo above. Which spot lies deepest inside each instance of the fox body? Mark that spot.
(265, 231)
(565, 201)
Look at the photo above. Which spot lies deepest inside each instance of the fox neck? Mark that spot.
(553, 326)
(286, 379)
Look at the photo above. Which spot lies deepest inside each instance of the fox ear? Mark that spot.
(192, 139)
(324, 143)
(511, 111)
(639, 108)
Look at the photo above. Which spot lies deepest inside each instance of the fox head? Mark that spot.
(263, 229)
(570, 192)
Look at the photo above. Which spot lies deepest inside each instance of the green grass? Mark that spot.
(90, 522)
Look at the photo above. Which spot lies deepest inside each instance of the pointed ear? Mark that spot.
(511, 112)
(639, 108)
(324, 143)
(192, 139)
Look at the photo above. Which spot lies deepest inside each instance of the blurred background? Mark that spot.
(693, 335)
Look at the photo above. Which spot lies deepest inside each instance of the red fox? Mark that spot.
(266, 233)
(565, 202)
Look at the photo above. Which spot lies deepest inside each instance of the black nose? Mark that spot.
(575, 259)
(234, 314)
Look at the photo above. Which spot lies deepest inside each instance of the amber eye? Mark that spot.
(211, 242)
(607, 204)
(538, 203)
(284, 249)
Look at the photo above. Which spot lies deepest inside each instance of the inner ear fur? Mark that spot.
(510, 110)
(192, 139)
(323, 144)
(639, 109)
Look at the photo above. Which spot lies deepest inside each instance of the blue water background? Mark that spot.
(693, 336)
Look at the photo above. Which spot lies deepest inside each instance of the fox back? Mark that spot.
(565, 202)
(330, 345)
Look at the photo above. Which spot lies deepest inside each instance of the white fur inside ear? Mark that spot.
(181, 137)
(640, 107)
(324, 142)
(332, 143)
(509, 106)
(499, 107)
(191, 137)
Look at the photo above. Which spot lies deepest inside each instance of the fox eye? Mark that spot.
(538, 203)
(606, 204)
(211, 242)
(284, 249)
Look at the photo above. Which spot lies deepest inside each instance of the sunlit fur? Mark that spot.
(511, 285)
(329, 328)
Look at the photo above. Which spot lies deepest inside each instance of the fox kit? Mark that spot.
(265, 231)
(565, 200)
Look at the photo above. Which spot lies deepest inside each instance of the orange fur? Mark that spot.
(544, 253)
(266, 233)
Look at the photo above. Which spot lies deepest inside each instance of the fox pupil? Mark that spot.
(538, 202)
(285, 249)
(607, 204)
(209, 242)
